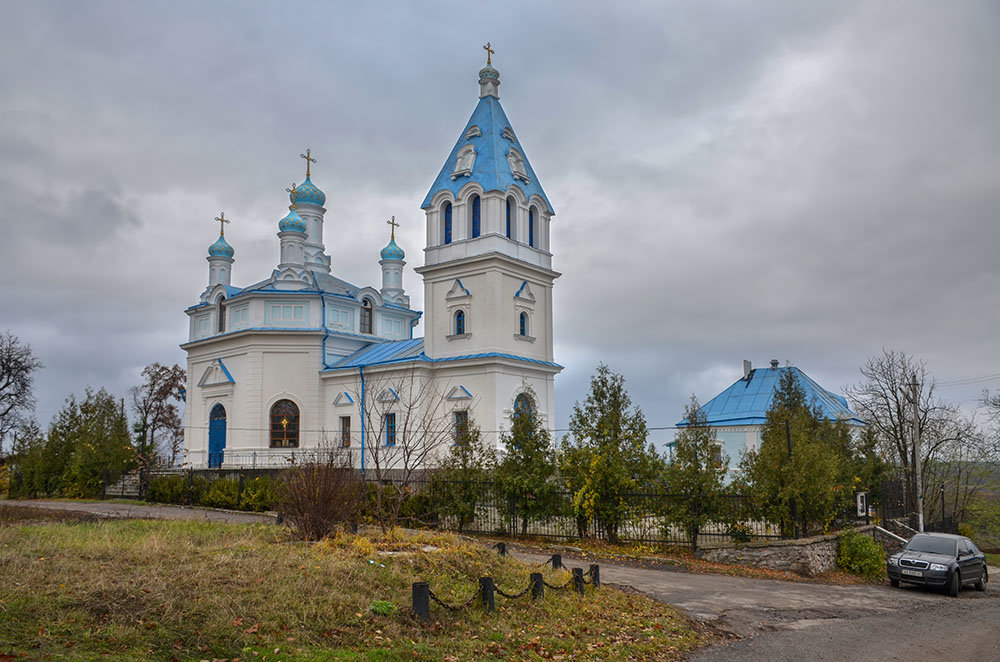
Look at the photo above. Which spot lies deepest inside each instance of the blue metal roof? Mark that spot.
(399, 351)
(746, 402)
(491, 169)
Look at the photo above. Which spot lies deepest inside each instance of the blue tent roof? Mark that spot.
(746, 402)
(491, 169)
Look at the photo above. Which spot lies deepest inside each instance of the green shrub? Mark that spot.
(861, 555)
(222, 493)
(260, 494)
(167, 489)
(382, 607)
(967, 531)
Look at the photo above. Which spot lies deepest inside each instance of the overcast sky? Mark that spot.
(809, 182)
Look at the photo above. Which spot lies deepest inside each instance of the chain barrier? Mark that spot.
(454, 607)
(511, 596)
(558, 588)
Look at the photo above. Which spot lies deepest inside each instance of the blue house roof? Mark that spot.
(491, 170)
(746, 402)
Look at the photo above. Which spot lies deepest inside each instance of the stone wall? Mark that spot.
(807, 557)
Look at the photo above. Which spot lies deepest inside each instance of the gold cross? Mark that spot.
(293, 193)
(489, 54)
(221, 218)
(394, 225)
(309, 161)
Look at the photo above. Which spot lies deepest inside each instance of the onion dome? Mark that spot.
(308, 193)
(293, 222)
(221, 248)
(489, 72)
(392, 251)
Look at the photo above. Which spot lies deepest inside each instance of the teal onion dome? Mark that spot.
(392, 251)
(489, 72)
(292, 223)
(221, 248)
(308, 193)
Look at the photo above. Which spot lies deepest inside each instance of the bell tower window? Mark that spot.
(509, 206)
(476, 216)
(531, 227)
(522, 324)
(221, 313)
(459, 322)
(366, 316)
(447, 222)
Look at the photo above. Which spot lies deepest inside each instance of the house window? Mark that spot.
(509, 207)
(476, 216)
(345, 431)
(447, 223)
(366, 316)
(390, 429)
(221, 315)
(522, 324)
(284, 424)
(459, 322)
(461, 427)
(531, 227)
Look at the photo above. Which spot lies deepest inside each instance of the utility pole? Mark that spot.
(915, 401)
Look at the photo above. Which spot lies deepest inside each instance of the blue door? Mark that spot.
(216, 436)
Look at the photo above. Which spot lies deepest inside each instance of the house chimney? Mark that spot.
(746, 369)
(774, 364)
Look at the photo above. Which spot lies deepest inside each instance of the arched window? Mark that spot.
(476, 216)
(522, 405)
(531, 227)
(284, 424)
(510, 208)
(366, 315)
(221, 314)
(459, 322)
(447, 222)
(522, 324)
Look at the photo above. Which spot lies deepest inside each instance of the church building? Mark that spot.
(305, 360)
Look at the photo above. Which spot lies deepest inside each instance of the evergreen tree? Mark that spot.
(460, 483)
(606, 455)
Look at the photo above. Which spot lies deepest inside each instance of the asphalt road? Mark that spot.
(765, 620)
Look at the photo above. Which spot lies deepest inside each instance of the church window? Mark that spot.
(476, 216)
(221, 314)
(522, 324)
(531, 227)
(345, 431)
(366, 316)
(510, 207)
(390, 429)
(459, 322)
(461, 427)
(239, 316)
(522, 405)
(447, 222)
(284, 424)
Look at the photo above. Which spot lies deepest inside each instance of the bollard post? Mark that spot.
(556, 561)
(595, 574)
(422, 600)
(486, 590)
(537, 587)
(578, 579)
(502, 548)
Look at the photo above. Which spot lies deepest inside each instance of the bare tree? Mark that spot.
(883, 401)
(158, 427)
(408, 427)
(960, 471)
(17, 375)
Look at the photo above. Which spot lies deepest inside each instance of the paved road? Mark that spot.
(779, 620)
(769, 620)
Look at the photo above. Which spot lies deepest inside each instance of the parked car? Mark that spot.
(939, 559)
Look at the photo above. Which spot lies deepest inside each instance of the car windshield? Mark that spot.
(931, 545)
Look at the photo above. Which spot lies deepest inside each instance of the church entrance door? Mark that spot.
(216, 436)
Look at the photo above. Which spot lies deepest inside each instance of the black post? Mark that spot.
(556, 561)
(422, 600)
(104, 484)
(486, 590)
(795, 506)
(239, 493)
(595, 574)
(868, 519)
(885, 500)
(578, 579)
(501, 548)
(537, 587)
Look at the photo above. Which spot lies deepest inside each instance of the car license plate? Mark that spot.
(913, 573)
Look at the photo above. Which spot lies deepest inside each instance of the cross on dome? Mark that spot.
(309, 161)
(291, 194)
(489, 54)
(394, 225)
(221, 218)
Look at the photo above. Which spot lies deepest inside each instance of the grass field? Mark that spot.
(993, 560)
(138, 590)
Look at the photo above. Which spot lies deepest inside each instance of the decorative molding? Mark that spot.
(216, 374)
(343, 398)
(516, 162)
(459, 393)
(508, 133)
(457, 291)
(524, 293)
(459, 336)
(518, 336)
(473, 132)
(463, 164)
(388, 395)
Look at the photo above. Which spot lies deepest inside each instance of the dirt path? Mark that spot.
(124, 510)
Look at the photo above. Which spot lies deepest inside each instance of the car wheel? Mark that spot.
(894, 583)
(954, 585)
(983, 580)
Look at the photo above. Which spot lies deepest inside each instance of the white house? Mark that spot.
(294, 361)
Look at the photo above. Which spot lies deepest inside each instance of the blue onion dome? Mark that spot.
(221, 248)
(293, 222)
(392, 251)
(489, 72)
(308, 193)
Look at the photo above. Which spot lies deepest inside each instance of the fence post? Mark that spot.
(578, 579)
(501, 548)
(486, 590)
(537, 587)
(421, 600)
(556, 561)
(255, 459)
(595, 574)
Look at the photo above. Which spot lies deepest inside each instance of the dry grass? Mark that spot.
(137, 590)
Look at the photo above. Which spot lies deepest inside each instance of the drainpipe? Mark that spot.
(326, 329)
(361, 372)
